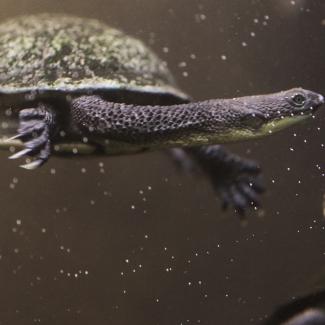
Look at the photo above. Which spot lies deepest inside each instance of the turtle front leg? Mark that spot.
(36, 126)
(237, 181)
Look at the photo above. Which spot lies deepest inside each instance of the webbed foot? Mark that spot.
(35, 127)
(237, 181)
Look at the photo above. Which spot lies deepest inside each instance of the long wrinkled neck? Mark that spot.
(186, 123)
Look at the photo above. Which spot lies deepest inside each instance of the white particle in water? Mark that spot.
(223, 57)
(244, 44)
(18, 222)
(83, 170)
(252, 34)
(8, 112)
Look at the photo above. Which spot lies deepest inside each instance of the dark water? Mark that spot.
(129, 240)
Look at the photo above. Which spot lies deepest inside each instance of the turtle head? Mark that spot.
(262, 115)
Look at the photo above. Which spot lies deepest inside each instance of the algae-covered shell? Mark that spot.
(57, 54)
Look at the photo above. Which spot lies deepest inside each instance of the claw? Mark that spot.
(20, 153)
(33, 165)
(250, 166)
(257, 185)
(17, 136)
(226, 200)
(249, 193)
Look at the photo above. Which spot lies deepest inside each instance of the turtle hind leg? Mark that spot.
(36, 126)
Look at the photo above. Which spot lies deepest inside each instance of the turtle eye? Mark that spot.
(298, 99)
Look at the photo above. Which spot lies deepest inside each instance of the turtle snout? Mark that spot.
(318, 101)
(321, 100)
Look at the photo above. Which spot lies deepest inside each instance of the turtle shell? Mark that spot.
(52, 54)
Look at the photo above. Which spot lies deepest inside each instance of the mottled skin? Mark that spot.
(192, 124)
(75, 84)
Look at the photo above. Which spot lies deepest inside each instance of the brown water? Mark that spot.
(135, 242)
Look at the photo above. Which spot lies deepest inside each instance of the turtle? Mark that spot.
(71, 85)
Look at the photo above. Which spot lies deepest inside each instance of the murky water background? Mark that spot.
(129, 240)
